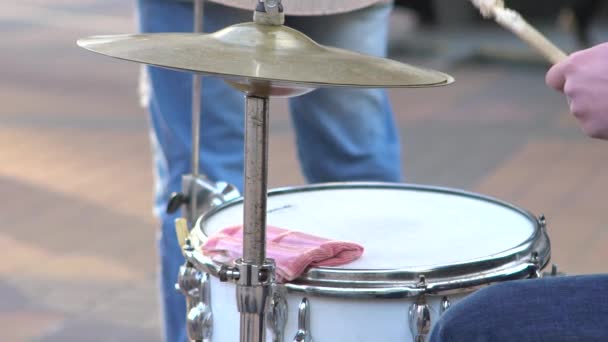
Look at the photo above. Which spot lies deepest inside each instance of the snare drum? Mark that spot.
(425, 249)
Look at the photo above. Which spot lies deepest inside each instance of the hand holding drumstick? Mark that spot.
(582, 76)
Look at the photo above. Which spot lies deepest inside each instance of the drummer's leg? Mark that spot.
(549, 309)
(347, 134)
(170, 117)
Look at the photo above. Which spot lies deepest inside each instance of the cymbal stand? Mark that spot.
(254, 274)
(196, 107)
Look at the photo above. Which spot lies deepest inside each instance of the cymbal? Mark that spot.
(264, 56)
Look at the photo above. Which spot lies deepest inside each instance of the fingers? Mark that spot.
(556, 76)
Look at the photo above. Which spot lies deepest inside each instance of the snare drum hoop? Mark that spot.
(519, 262)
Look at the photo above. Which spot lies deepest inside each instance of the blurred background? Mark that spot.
(77, 234)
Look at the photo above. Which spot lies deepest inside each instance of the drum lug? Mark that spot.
(199, 322)
(420, 314)
(420, 319)
(535, 262)
(196, 287)
(542, 222)
(303, 334)
(276, 313)
(445, 305)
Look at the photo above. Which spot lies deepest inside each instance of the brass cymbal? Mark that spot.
(264, 56)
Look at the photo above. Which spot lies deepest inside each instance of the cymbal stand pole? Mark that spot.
(256, 178)
(256, 273)
(196, 113)
(253, 273)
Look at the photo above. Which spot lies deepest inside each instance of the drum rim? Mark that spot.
(522, 261)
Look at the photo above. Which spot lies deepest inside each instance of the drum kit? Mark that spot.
(444, 243)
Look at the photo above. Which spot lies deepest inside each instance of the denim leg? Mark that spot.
(347, 134)
(556, 309)
(221, 146)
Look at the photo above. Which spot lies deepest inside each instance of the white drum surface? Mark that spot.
(398, 228)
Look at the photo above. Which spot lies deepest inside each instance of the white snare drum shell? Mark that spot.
(458, 240)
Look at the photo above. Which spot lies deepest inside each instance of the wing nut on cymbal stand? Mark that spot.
(269, 12)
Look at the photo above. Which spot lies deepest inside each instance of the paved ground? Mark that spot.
(77, 233)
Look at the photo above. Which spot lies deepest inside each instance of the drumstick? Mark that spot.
(514, 22)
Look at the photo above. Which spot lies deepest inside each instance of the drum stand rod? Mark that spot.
(256, 179)
(196, 111)
(255, 272)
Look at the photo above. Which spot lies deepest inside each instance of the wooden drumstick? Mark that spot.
(514, 22)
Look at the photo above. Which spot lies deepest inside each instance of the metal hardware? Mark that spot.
(199, 322)
(542, 221)
(272, 6)
(196, 107)
(276, 313)
(534, 260)
(332, 282)
(445, 305)
(252, 291)
(200, 195)
(255, 272)
(256, 179)
(280, 69)
(254, 283)
(554, 272)
(420, 314)
(195, 286)
(176, 200)
(269, 12)
(207, 193)
(229, 274)
(421, 281)
(303, 334)
(420, 319)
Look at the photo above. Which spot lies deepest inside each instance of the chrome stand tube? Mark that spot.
(256, 179)
(255, 272)
(196, 108)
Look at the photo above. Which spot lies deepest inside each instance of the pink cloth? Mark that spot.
(292, 251)
(583, 78)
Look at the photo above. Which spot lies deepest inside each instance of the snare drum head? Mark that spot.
(399, 227)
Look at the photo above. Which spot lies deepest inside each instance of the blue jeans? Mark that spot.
(342, 134)
(536, 310)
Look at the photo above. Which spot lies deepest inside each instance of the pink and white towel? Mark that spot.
(292, 251)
